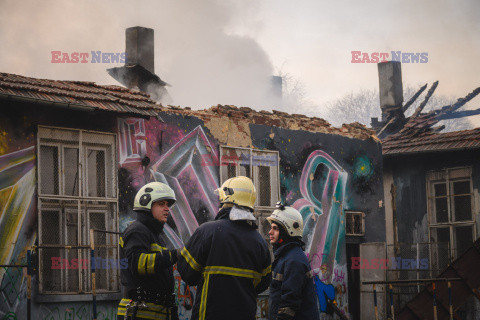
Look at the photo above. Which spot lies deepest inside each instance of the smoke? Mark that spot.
(195, 51)
(209, 50)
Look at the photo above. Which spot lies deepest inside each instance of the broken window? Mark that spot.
(451, 218)
(77, 190)
(355, 223)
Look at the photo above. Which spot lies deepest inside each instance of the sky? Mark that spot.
(224, 52)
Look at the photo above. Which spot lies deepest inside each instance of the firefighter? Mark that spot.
(292, 293)
(148, 283)
(227, 259)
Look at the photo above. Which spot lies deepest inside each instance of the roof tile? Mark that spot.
(110, 97)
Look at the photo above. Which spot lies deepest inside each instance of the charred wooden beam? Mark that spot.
(414, 97)
(460, 102)
(458, 114)
(425, 101)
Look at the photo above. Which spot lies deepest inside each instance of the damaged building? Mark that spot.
(431, 182)
(73, 154)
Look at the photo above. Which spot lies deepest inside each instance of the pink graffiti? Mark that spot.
(132, 140)
(339, 276)
(181, 168)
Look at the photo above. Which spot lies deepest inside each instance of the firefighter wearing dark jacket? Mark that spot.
(292, 293)
(227, 259)
(148, 282)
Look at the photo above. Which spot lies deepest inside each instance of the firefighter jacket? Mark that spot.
(229, 262)
(150, 268)
(292, 294)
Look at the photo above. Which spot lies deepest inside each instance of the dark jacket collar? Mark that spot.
(150, 222)
(224, 213)
(281, 249)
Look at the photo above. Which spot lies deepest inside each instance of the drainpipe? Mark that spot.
(393, 192)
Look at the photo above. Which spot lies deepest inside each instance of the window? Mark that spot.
(451, 214)
(262, 166)
(355, 223)
(77, 190)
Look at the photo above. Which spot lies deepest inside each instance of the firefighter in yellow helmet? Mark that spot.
(227, 259)
(148, 283)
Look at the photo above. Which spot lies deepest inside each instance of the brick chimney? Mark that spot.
(140, 47)
(391, 88)
(139, 69)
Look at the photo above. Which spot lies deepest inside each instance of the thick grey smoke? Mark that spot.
(193, 50)
(208, 49)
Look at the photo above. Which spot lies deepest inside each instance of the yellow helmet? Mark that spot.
(239, 190)
(220, 193)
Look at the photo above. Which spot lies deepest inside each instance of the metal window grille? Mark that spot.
(262, 166)
(413, 261)
(451, 207)
(263, 225)
(77, 190)
(355, 223)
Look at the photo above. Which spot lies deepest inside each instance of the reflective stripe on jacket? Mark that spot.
(292, 294)
(229, 262)
(150, 263)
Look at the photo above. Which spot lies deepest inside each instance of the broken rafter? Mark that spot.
(438, 129)
(413, 98)
(460, 102)
(425, 101)
(388, 124)
(459, 114)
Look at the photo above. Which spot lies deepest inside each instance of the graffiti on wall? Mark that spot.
(78, 311)
(322, 186)
(132, 140)
(181, 167)
(17, 206)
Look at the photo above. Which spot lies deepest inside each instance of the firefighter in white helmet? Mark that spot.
(292, 293)
(227, 259)
(148, 283)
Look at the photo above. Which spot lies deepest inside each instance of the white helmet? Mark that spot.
(151, 192)
(289, 218)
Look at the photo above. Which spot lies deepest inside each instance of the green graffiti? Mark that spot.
(10, 316)
(362, 167)
(11, 284)
(82, 312)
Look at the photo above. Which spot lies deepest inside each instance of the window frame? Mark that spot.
(253, 172)
(350, 214)
(81, 204)
(448, 176)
